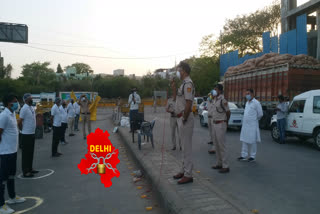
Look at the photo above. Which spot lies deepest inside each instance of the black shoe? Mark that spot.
(84, 138)
(241, 159)
(180, 148)
(251, 160)
(28, 175)
(70, 135)
(34, 171)
(210, 142)
(174, 148)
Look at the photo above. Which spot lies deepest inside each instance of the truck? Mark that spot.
(268, 82)
(302, 119)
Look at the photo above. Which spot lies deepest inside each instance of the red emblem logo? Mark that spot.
(294, 124)
(102, 157)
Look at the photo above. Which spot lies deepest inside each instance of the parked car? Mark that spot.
(197, 102)
(202, 107)
(235, 117)
(303, 118)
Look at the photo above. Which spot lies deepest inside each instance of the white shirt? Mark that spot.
(134, 106)
(76, 107)
(10, 135)
(250, 132)
(64, 114)
(29, 119)
(71, 110)
(57, 117)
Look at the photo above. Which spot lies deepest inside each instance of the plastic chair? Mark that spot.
(146, 131)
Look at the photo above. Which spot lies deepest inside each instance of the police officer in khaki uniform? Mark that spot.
(219, 122)
(184, 100)
(209, 107)
(171, 104)
(85, 114)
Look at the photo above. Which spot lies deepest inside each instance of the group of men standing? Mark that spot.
(182, 121)
(63, 116)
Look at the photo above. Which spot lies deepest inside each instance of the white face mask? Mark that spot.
(214, 93)
(178, 75)
(83, 99)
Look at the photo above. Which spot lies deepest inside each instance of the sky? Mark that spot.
(138, 36)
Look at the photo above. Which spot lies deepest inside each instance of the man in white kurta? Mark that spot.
(250, 133)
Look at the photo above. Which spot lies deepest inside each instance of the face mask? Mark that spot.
(135, 93)
(83, 99)
(14, 106)
(248, 97)
(178, 75)
(214, 93)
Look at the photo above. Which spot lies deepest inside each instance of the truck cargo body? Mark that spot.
(268, 83)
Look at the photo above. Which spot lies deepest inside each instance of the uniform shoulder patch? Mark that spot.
(189, 90)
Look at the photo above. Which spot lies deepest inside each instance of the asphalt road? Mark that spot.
(67, 191)
(284, 178)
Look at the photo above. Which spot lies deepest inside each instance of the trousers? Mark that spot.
(218, 135)
(27, 144)
(186, 132)
(71, 124)
(76, 122)
(245, 150)
(8, 168)
(282, 129)
(174, 128)
(86, 120)
(211, 135)
(56, 137)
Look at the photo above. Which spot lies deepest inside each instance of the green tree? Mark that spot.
(244, 32)
(204, 73)
(59, 69)
(38, 73)
(5, 71)
(81, 68)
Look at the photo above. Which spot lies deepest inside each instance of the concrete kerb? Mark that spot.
(168, 196)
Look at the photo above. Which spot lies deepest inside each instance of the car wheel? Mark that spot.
(275, 133)
(202, 121)
(317, 138)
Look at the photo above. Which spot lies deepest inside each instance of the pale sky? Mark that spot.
(120, 29)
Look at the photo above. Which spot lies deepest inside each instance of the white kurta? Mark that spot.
(250, 132)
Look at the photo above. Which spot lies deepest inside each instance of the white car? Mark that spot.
(235, 120)
(197, 102)
(303, 118)
(202, 107)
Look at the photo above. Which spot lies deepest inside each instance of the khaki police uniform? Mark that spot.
(85, 115)
(185, 92)
(210, 106)
(173, 122)
(219, 128)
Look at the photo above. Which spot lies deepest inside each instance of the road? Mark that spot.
(67, 191)
(284, 178)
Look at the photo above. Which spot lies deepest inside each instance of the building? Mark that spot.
(71, 74)
(118, 72)
(290, 10)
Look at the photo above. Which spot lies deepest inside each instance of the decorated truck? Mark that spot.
(269, 76)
